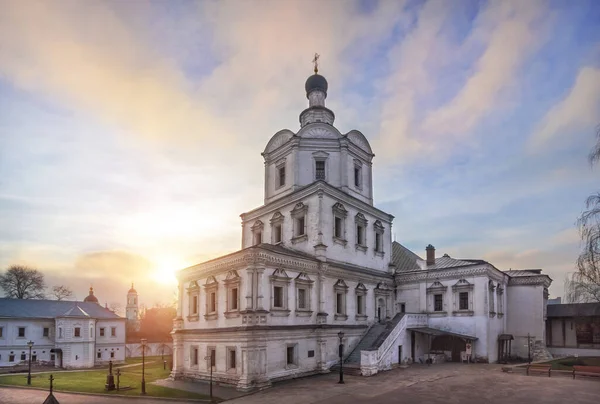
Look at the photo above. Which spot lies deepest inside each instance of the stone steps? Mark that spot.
(349, 369)
(374, 332)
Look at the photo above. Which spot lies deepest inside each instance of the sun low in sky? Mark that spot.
(131, 132)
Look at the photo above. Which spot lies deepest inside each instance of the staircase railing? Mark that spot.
(374, 360)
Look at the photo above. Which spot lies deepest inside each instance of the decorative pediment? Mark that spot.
(211, 281)
(360, 287)
(193, 286)
(232, 275)
(303, 278)
(278, 139)
(359, 140)
(299, 209)
(280, 162)
(383, 286)
(378, 226)
(462, 284)
(277, 218)
(340, 210)
(280, 275)
(360, 219)
(436, 287)
(258, 225)
(340, 285)
(320, 133)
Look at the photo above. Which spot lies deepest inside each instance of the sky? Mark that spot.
(131, 131)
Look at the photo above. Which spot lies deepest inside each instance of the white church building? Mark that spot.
(318, 259)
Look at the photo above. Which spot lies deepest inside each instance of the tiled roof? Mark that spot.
(403, 258)
(406, 260)
(33, 308)
(523, 272)
(574, 310)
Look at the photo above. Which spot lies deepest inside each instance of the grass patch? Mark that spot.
(93, 381)
(568, 363)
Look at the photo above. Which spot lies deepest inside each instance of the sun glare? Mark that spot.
(165, 267)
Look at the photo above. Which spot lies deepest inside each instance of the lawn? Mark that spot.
(93, 381)
(568, 363)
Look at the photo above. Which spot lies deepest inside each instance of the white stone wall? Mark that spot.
(12, 344)
(525, 315)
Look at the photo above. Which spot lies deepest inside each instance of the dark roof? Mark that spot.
(523, 272)
(574, 310)
(403, 258)
(33, 308)
(315, 82)
(91, 297)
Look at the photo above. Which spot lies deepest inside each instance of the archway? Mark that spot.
(446, 343)
(380, 309)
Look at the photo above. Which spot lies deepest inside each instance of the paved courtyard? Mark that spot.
(444, 383)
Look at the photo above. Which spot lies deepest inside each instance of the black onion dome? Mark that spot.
(316, 82)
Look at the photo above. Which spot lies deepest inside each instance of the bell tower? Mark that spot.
(131, 310)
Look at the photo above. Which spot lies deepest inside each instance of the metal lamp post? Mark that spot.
(529, 348)
(143, 365)
(30, 345)
(211, 359)
(341, 348)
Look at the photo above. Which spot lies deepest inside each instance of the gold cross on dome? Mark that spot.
(316, 62)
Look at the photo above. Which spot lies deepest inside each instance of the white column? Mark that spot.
(259, 288)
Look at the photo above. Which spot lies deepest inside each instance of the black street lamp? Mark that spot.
(30, 345)
(529, 348)
(341, 348)
(143, 365)
(211, 358)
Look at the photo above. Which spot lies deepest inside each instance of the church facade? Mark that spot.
(318, 267)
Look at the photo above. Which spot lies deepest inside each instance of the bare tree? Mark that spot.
(115, 307)
(21, 282)
(61, 292)
(584, 285)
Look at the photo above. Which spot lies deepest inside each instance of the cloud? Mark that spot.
(580, 108)
(121, 266)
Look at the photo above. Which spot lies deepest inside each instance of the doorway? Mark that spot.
(399, 354)
(450, 343)
(380, 310)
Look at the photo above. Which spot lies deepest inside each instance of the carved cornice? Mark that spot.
(450, 273)
(542, 280)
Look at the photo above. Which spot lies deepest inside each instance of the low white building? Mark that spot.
(317, 259)
(67, 334)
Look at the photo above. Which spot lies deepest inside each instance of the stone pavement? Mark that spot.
(11, 395)
(201, 387)
(443, 383)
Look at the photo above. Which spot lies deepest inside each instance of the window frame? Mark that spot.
(293, 364)
(339, 213)
(102, 332)
(500, 298)
(45, 332)
(113, 332)
(280, 279)
(19, 332)
(436, 288)
(232, 282)
(231, 367)
(211, 286)
(277, 223)
(361, 305)
(360, 229)
(379, 230)
(340, 290)
(77, 332)
(491, 298)
(462, 286)
(279, 166)
(303, 282)
(358, 169)
(257, 232)
(193, 292)
(299, 213)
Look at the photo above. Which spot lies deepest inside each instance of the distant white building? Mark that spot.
(131, 309)
(318, 259)
(67, 334)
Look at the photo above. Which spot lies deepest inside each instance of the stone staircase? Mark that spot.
(366, 343)
(539, 352)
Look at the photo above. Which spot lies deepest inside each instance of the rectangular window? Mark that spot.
(339, 303)
(338, 231)
(357, 176)
(402, 308)
(232, 363)
(99, 355)
(359, 304)
(112, 354)
(213, 302)
(277, 233)
(311, 354)
(23, 356)
(195, 356)
(46, 332)
(302, 298)
(278, 296)
(234, 299)
(281, 176)
(438, 303)
(52, 357)
(360, 236)
(213, 356)
(21, 332)
(102, 332)
(463, 301)
(195, 305)
(378, 242)
(113, 331)
(77, 332)
(33, 358)
(320, 170)
(60, 333)
(1, 332)
(290, 355)
(11, 358)
(300, 226)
